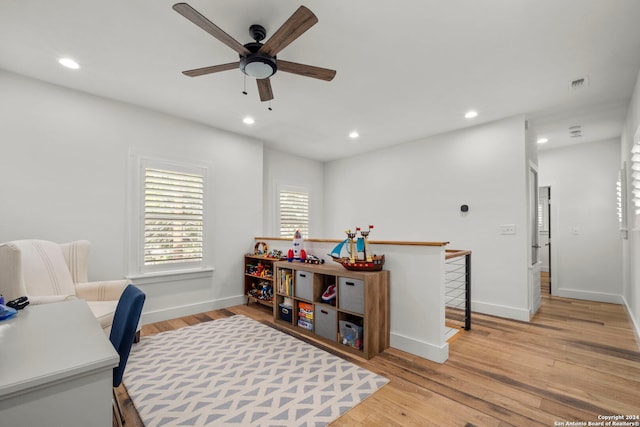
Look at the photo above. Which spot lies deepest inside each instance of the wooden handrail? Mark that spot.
(373, 242)
(454, 253)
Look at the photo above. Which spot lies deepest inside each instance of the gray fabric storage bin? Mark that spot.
(326, 322)
(304, 285)
(351, 294)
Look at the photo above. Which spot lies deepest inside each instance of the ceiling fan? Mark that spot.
(258, 59)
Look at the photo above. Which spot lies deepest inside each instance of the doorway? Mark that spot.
(544, 229)
(534, 252)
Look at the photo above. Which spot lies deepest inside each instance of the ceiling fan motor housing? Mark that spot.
(257, 32)
(257, 64)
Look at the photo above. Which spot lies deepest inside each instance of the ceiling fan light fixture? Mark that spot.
(258, 66)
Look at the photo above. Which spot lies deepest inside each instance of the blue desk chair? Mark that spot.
(123, 331)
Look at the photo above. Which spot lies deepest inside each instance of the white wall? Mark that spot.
(631, 247)
(283, 168)
(586, 245)
(413, 191)
(64, 176)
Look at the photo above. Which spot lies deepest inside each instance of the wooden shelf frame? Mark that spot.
(375, 316)
(251, 279)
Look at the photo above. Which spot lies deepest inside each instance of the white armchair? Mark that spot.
(48, 272)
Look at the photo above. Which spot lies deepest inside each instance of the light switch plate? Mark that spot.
(508, 229)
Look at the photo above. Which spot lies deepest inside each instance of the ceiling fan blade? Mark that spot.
(194, 16)
(306, 70)
(264, 89)
(213, 69)
(301, 20)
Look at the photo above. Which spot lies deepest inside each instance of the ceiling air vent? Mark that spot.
(575, 131)
(579, 83)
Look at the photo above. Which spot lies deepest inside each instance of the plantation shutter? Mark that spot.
(540, 216)
(294, 213)
(619, 192)
(173, 217)
(635, 176)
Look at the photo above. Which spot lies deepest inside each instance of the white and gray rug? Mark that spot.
(236, 371)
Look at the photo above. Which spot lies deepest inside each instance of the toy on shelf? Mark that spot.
(368, 261)
(261, 249)
(297, 252)
(329, 295)
(259, 270)
(312, 259)
(277, 254)
(262, 291)
(305, 316)
(350, 334)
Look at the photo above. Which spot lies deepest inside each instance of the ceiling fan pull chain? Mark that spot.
(270, 109)
(244, 90)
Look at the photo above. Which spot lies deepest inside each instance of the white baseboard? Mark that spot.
(500, 311)
(634, 322)
(589, 295)
(427, 350)
(189, 309)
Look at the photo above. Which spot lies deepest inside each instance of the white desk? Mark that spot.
(56, 368)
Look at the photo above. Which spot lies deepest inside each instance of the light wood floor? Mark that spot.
(545, 283)
(574, 361)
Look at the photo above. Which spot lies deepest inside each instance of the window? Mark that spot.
(173, 217)
(543, 209)
(168, 229)
(540, 217)
(293, 211)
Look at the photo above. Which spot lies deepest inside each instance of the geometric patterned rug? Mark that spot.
(238, 372)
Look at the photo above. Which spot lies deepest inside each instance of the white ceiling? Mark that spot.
(405, 69)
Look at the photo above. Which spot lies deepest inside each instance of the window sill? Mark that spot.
(170, 276)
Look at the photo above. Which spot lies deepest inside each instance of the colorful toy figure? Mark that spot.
(297, 252)
(267, 291)
(329, 295)
(356, 245)
(312, 259)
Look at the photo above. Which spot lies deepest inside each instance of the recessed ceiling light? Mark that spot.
(354, 134)
(470, 114)
(69, 63)
(542, 140)
(248, 121)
